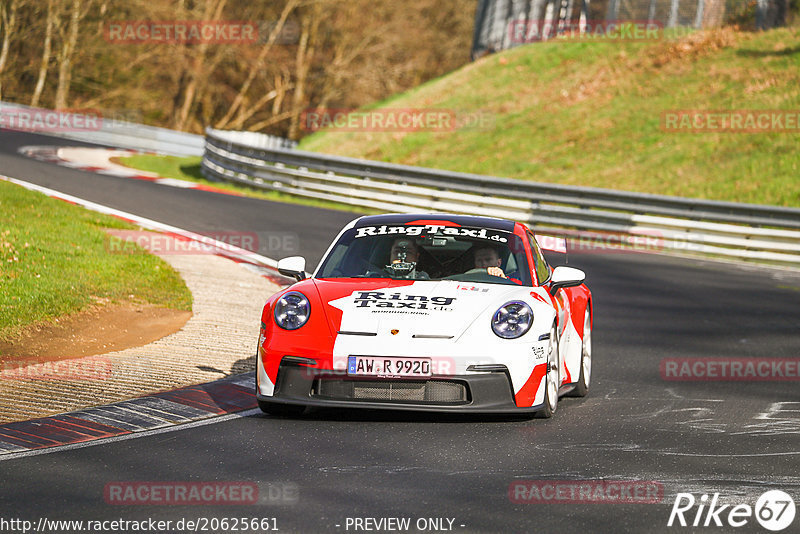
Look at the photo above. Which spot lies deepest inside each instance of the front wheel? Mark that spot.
(582, 388)
(552, 381)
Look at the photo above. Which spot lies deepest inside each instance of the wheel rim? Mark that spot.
(552, 372)
(587, 350)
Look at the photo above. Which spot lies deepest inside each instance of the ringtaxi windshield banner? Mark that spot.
(431, 229)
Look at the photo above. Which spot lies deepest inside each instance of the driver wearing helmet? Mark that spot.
(403, 260)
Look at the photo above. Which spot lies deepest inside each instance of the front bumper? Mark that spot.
(488, 392)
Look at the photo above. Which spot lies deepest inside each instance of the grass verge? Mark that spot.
(590, 114)
(54, 261)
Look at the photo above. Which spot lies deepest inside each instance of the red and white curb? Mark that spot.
(181, 406)
(226, 396)
(98, 161)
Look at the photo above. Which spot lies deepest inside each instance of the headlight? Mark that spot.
(512, 320)
(292, 310)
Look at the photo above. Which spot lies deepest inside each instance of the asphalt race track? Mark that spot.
(735, 438)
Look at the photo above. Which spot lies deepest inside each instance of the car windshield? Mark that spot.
(429, 252)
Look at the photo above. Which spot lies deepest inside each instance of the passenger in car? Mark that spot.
(486, 257)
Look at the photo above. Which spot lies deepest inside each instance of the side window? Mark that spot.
(335, 260)
(542, 269)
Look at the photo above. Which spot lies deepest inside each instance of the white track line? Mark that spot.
(219, 247)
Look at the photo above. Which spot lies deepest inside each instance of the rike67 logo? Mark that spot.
(774, 510)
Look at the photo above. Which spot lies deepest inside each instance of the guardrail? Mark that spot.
(254, 139)
(94, 128)
(749, 231)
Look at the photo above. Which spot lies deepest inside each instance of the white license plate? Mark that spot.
(388, 366)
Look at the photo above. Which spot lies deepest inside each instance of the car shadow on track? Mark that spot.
(403, 416)
(398, 416)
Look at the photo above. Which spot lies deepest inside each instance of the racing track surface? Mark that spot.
(735, 438)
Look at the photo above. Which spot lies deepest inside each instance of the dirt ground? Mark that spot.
(97, 330)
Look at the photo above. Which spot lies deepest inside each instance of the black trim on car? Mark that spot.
(489, 392)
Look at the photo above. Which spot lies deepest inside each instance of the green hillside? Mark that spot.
(590, 114)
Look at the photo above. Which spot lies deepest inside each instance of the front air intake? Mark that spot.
(405, 391)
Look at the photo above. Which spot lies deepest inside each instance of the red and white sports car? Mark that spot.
(427, 312)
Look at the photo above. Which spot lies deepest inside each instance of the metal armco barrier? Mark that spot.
(749, 231)
(109, 131)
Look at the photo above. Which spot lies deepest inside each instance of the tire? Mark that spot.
(281, 410)
(582, 387)
(552, 381)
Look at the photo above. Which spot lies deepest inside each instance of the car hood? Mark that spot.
(417, 309)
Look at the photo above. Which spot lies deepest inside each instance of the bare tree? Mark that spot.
(254, 70)
(9, 20)
(345, 46)
(46, 53)
(673, 14)
(304, 57)
(200, 69)
(344, 53)
(69, 42)
(102, 18)
(713, 13)
(282, 86)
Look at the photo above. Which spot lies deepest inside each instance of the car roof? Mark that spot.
(433, 218)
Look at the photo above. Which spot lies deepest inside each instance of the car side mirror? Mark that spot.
(565, 277)
(293, 267)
